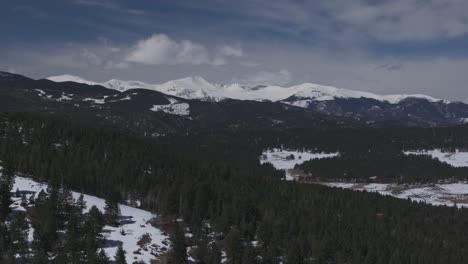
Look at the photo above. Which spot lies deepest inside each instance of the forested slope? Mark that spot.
(253, 215)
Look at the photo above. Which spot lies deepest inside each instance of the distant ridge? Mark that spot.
(198, 88)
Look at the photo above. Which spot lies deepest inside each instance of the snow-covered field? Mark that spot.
(286, 159)
(435, 194)
(174, 108)
(456, 159)
(133, 225)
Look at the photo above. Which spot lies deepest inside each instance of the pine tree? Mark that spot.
(249, 255)
(6, 183)
(112, 210)
(74, 240)
(91, 241)
(295, 253)
(4, 240)
(95, 220)
(234, 246)
(38, 252)
(24, 200)
(214, 254)
(19, 237)
(80, 203)
(120, 256)
(178, 252)
(64, 207)
(44, 221)
(102, 257)
(201, 251)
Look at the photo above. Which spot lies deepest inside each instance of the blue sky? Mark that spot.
(399, 46)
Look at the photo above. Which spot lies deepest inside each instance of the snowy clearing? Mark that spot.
(286, 159)
(455, 159)
(96, 101)
(436, 194)
(133, 225)
(64, 97)
(173, 108)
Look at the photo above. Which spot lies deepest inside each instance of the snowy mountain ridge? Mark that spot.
(198, 88)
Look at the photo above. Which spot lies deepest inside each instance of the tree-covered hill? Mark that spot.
(215, 184)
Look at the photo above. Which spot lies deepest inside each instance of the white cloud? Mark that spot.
(268, 78)
(159, 49)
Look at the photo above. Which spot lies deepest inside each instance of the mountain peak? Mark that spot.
(70, 78)
(196, 87)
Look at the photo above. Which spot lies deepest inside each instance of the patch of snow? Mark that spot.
(134, 223)
(126, 98)
(41, 92)
(435, 194)
(174, 108)
(64, 98)
(455, 159)
(287, 159)
(96, 101)
(464, 120)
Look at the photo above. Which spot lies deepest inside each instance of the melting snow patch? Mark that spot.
(126, 98)
(41, 92)
(436, 194)
(64, 98)
(287, 159)
(96, 101)
(455, 159)
(173, 108)
(134, 225)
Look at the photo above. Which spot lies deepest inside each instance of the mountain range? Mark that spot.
(412, 109)
(195, 104)
(199, 88)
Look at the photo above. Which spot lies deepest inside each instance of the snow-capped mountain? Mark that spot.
(194, 103)
(187, 88)
(198, 88)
